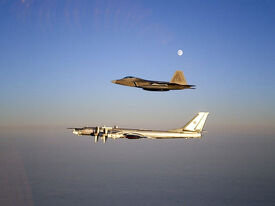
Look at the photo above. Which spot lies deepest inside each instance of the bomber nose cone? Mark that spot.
(114, 81)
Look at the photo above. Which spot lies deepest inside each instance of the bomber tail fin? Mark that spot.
(178, 78)
(196, 124)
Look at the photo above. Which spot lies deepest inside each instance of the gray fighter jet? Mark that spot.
(178, 82)
(193, 129)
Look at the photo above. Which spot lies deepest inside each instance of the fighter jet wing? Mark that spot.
(156, 82)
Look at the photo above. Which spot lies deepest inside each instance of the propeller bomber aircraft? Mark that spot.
(193, 129)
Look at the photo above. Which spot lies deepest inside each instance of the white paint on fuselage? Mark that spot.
(154, 134)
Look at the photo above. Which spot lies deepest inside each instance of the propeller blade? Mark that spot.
(74, 128)
(104, 138)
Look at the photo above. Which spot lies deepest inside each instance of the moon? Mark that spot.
(180, 52)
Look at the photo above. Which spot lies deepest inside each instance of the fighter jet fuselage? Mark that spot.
(178, 82)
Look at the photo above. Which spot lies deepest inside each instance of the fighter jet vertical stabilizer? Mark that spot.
(178, 78)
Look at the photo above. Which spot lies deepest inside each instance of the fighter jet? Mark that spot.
(193, 129)
(178, 82)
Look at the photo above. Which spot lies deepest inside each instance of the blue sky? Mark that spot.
(57, 59)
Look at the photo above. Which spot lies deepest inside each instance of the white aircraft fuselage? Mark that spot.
(158, 134)
(193, 129)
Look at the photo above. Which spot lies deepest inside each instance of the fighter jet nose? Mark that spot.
(114, 81)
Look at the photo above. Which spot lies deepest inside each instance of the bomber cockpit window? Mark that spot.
(128, 77)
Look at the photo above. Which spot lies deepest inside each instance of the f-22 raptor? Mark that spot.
(178, 82)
